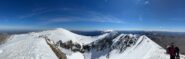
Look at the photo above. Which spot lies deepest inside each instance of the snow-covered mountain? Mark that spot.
(110, 45)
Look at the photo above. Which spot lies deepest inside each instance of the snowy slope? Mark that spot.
(26, 46)
(76, 55)
(144, 48)
(34, 46)
(65, 35)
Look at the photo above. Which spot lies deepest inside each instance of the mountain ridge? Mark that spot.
(108, 45)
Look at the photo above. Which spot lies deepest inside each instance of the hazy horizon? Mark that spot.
(38, 30)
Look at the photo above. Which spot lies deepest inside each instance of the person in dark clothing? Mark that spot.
(172, 51)
(167, 49)
(177, 51)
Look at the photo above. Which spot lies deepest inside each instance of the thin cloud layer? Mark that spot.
(85, 16)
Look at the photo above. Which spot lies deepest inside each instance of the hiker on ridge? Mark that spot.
(172, 51)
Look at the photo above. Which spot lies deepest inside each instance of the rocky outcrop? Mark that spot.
(55, 49)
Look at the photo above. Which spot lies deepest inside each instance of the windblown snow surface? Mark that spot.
(33, 46)
(26, 46)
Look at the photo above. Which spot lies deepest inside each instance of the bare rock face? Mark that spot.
(3, 37)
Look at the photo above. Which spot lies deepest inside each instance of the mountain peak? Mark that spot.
(108, 31)
(61, 29)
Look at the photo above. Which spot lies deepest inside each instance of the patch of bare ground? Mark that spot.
(3, 38)
(164, 40)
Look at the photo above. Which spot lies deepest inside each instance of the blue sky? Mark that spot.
(147, 15)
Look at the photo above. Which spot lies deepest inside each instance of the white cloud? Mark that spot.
(35, 12)
(87, 17)
(146, 2)
(80, 15)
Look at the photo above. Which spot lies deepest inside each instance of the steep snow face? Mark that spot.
(143, 49)
(108, 31)
(34, 46)
(65, 35)
(26, 46)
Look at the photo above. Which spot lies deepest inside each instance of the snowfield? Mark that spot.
(33, 46)
(144, 49)
(76, 55)
(65, 35)
(26, 46)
